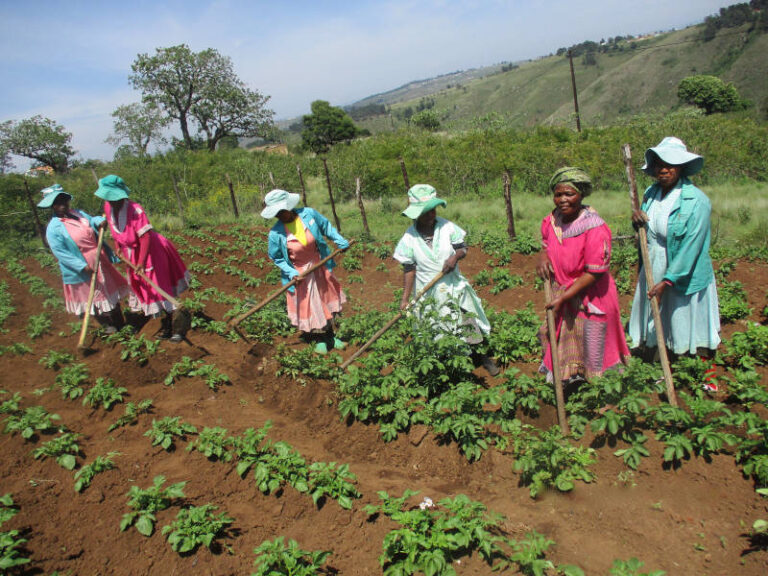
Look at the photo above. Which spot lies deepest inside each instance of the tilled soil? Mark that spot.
(691, 520)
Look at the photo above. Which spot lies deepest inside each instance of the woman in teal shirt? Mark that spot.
(676, 214)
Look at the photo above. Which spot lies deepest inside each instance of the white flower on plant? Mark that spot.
(426, 503)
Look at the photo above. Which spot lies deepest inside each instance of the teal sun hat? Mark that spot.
(112, 188)
(422, 198)
(50, 194)
(277, 200)
(672, 151)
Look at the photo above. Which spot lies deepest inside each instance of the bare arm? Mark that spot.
(409, 278)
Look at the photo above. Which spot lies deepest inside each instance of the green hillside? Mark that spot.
(639, 76)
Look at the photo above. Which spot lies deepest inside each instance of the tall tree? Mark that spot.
(38, 138)
(137, 124)
(326, 126)
(201, 91)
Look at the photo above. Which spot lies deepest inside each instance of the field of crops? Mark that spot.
(211, 456)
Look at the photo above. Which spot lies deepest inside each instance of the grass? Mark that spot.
(739, 212)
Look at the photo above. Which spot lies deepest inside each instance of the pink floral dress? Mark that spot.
(163, 264)
(589, 332)
(318, 297)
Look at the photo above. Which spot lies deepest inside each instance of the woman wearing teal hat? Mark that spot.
(296, 243)
(148, 251)
(73, 238)
(676, 214)
(434, 245)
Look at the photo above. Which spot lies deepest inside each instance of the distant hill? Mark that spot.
(621, 77)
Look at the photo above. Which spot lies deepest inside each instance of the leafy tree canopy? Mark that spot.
(709, 93)
(326, 126)
(136, 124)
(39, 139)
(201, 91)
(427, 119)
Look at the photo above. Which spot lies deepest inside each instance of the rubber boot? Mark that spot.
(166, 324)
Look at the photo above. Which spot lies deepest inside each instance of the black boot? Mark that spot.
(166, 327)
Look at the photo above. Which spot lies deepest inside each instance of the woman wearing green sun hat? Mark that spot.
(434, 245)
(677, 217)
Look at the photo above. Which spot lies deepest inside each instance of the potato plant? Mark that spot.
(195, 526)
(64, 448)
(164, 431)
(146, 502)
(273, 557)
(71, 380)
(131, 414)
(196, 368)
(105, 392)
(87, 473)
(54, 359)
(136, 348)
(10, 541)
(6, 306)
(39, 325)
(213, 443)
(30, 421)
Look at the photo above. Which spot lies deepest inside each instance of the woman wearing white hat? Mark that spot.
(676, 214)
(433, 245)
(296, 242)
(73, 239)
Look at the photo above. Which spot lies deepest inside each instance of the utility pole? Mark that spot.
(575, 96)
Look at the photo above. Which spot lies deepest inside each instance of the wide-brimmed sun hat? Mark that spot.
(421, 198)
(112, 188)
(277, 200)
(573, 175)
(50, 194)
(672, 151)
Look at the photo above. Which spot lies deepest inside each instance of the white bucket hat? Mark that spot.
(277, 200)
(672, 151)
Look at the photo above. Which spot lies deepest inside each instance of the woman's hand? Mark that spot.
(544, 267)
(403, 303)
(657, 290)
(450, 263)
(88, 270)
(103, 225)
(556, 304)
(639, 218)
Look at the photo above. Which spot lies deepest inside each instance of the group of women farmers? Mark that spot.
(575, 259)
(154, 265)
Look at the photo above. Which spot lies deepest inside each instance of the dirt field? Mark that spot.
(692, 520)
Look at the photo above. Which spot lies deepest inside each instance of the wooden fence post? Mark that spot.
(303, 188)
(33, 208)
(232, 196)
(405, 175)
(508, 203)
(95, 176)
(272, 180)
(330, 194)
(178, 199)
(362, 208)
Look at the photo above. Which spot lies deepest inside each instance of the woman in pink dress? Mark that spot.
(577, 255)
(73, 239)
(296, 242)
(147, 250)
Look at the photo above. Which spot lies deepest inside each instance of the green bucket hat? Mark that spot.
(573, 175)
(672, 151)
(112, 188)
(421, 198)
(50, 194)
(277, 200)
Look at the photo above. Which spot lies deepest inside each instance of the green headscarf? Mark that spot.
(574, 176)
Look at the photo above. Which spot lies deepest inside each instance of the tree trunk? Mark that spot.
(362, 207)
(508, 204)
(405, 175)
(330, 195)
(303, 188)
(178, 199)
(35, 216)
(232, 196)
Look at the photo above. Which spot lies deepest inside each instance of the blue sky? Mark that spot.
(70, 60)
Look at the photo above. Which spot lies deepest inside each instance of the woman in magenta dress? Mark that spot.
(147, 250)
(577, 255)
(72, 237)
(296, 242)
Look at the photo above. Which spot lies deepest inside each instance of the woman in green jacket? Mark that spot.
(676, 216)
